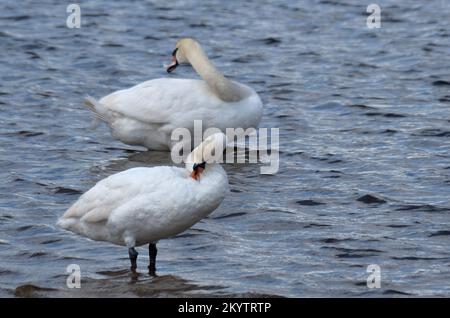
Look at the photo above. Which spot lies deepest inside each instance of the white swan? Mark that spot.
(146, 114)
(143, 205)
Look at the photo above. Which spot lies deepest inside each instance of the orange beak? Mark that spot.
(195, 174)
(172, 65)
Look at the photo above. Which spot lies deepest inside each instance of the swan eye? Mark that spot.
(174, 52)
(199, 165)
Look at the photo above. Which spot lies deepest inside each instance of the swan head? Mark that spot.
(181, 51)
(208, 152)
(197, 169)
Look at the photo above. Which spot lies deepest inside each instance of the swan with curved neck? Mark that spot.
(146, 114)
(144, 205)
(189, 51)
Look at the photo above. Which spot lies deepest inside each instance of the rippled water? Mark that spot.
(364, 130)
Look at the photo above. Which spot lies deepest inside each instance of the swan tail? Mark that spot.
(96, 108)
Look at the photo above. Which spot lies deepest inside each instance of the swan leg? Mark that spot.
(133, 258)
(152, 251)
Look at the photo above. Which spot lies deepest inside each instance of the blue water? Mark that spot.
(364, 147)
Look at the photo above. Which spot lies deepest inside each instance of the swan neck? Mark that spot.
(219, 84)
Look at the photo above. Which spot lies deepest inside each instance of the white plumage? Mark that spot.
(146, 114)
(143, 205)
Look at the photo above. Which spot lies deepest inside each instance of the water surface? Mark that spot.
(364, 143)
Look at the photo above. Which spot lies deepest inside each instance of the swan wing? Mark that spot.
(160, 101)
(110, 193)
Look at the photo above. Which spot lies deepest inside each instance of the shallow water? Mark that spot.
(364, 143)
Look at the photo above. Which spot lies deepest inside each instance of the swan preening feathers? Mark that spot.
(146, 114)
(143, 205)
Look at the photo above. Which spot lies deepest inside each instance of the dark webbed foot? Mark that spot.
(133, 258)
(152, 251)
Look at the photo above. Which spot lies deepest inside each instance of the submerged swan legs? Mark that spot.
(152, 251)
(133, 258)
